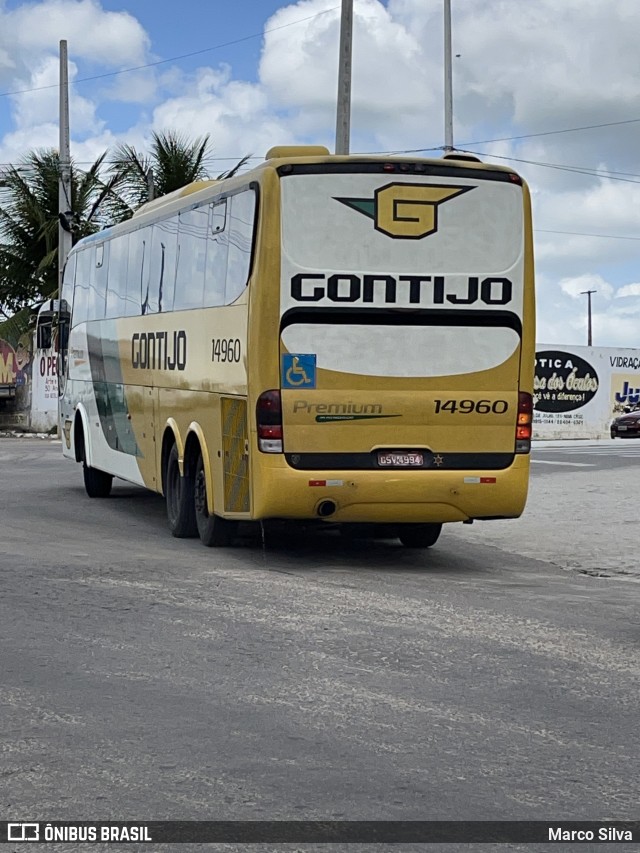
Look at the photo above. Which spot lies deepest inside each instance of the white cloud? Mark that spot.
(580, 285)
(111, 38)
(628, 290)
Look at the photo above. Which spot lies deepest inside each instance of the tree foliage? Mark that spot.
(29, 222)
(29, 205)
(173, 161)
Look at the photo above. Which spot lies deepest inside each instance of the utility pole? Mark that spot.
(343, 113)
(588, 293)
(448, 80)
(64, 188)
(151, 190)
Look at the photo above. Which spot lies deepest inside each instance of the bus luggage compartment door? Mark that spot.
(235, 452)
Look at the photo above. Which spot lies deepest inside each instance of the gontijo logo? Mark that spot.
(405, 211)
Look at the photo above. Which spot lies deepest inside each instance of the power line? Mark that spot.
(582, 234)
(171, 58)
(580, 170)
(525, 136)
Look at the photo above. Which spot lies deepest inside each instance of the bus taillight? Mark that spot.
(524, 427)
(269, 421)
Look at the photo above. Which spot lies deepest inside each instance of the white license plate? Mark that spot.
(400, 460)
(621, 428)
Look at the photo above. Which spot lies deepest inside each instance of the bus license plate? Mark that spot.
(394, 459)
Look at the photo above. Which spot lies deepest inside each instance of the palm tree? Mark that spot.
(29, 222)
(173, 161)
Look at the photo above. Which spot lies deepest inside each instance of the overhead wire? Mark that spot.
(581, 170)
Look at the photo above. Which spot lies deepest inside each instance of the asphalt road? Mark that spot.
(145, 677)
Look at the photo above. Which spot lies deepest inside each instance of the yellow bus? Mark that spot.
(346, 339)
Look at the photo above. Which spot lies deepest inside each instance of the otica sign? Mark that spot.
(563, 381)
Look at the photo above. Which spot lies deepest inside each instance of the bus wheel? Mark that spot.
(179, 497)
(96, 483)
(419, 535)
(214, 531)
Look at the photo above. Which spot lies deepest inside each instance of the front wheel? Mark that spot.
(97, 483)
(419, 535)
(214, 531)
(179, 496)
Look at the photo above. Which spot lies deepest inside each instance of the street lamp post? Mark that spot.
(588, 293)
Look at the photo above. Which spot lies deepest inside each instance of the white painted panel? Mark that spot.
(370, 350)
(613, 373)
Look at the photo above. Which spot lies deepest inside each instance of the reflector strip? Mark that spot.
(480, 479)
(317, 482)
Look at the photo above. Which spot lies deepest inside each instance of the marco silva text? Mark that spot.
(602, 833)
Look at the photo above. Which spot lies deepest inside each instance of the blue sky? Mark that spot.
(524, 70)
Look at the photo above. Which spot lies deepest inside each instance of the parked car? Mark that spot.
(627, 425)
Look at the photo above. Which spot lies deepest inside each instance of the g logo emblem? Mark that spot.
(411, 210)
(405, 211)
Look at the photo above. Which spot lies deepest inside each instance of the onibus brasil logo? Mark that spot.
(405, 211)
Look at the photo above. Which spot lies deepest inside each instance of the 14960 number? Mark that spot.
(225, 349)
(466, 407)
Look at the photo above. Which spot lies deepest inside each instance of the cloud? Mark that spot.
(576, 287)
(109, 38)
(628, 290)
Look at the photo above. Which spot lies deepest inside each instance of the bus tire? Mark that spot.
(214, 531)
(97, 483)
(181, 512)
(419, 535)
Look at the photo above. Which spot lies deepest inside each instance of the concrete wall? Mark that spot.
(44, 391)
(31, 371)
(579, 390)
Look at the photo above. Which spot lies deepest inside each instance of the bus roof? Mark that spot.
(276, 158)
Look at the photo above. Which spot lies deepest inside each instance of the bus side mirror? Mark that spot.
(43, 338)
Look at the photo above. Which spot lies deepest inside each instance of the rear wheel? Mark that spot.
(179, 493)
(97, 483)
(214, 531)
(419, 535)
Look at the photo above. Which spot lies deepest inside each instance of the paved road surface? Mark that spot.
(147, 677)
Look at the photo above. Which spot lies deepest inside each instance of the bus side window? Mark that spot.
(243, 207)
(217, 251)
(117, 276)
(64, 313)
(98, 284)
(136, 272)
(84, 271)
(68, 279)
(192, 243)
(162, 266)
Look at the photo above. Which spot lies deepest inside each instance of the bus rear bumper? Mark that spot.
(389, 496)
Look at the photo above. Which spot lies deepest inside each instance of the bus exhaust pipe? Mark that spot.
(326, 508)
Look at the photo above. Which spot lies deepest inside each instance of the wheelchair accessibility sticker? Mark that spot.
(298, 370)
